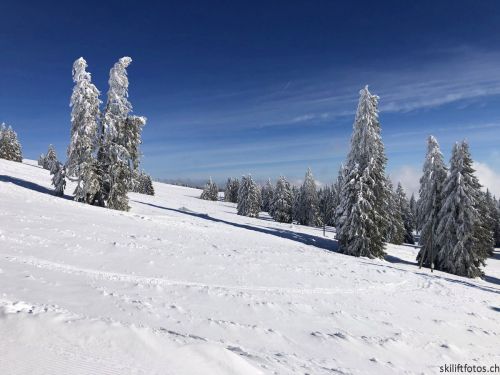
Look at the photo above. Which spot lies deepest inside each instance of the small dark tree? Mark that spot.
(58, 173)
(51, 158)
(231, 192)
(210, 191)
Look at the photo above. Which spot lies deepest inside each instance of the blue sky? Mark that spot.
(263, 87)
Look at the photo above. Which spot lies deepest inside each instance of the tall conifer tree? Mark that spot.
(362, 221)
(248, 197)
(430, 202)
(308, 201)
(81, 163)
(457, 236)
(282, 204)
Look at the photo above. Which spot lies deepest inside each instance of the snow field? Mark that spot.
(179, 285)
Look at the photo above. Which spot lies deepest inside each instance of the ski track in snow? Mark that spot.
(178, 284)
(154, 281)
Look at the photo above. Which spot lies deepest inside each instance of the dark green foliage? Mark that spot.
(231, 192)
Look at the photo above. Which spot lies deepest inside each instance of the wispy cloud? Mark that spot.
(299, 109)
(455, 77)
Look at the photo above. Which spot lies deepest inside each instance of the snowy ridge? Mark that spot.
(179, 285)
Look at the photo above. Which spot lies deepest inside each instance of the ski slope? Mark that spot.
(184, 286)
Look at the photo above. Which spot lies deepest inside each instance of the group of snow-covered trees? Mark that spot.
(142, 183)
(10, 148)
(362, 203)
(103, 154)
(284, 202)
(56, 168)
(455, 218)
(458, 222)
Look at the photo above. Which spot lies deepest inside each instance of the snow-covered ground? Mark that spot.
(184, 286)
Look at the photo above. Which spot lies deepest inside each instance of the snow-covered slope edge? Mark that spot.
(184, 286)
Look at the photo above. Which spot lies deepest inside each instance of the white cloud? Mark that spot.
(409, 177)
(489, 178)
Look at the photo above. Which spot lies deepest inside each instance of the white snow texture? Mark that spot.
(181, 285)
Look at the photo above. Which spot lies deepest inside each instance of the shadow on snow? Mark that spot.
(306, 239)
(330, 245)
(30, 185)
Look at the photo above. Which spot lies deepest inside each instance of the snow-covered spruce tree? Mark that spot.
(248, 197)
(10, 148)
(119, 139)
(337, 189)
(362, 221)
(308, 202)
(93, 177)
(456, 232)
(430, 203)
(395, 231)
(295, 203)
(210, 191)
(483, 228)
(84, 103)
(259, 197)
(81, 163)
(58, 173)
(281, 205)
(148, 185)
(231, 192)
(131, 139)
(4, 142)
(327, 205)
(413, 209)
(494, 214)
(51, 158)
(113, 156)
(496, 231)
(142, 183)
(267, 192)
(406, 214)
(17, 154)
(135, 181)
(41, 160)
